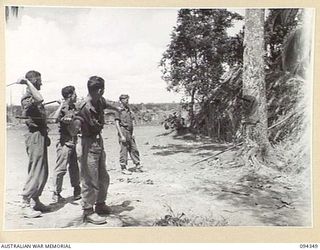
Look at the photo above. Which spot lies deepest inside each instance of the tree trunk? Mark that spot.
(191, 109)
(256, 137)
(211, 121)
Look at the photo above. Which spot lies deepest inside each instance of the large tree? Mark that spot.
(254, 90)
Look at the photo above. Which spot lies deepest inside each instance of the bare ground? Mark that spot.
(217, 192)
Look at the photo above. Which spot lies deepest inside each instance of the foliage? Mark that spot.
(286, 62)
(219, 112)
(180, 219)
(280, 23)
(13, 9)
(199, 43)
(193, 61)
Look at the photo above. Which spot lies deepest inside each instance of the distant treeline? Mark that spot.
(145, 113)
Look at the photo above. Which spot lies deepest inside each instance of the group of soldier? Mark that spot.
(82, 124)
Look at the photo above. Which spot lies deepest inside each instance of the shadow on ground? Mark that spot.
(115, 219)
(262, 196)
(53, 207)
(124, 206)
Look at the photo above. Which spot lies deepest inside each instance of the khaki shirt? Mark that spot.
(35, 111)
(92, 118)
(64, 128)
(125, 117)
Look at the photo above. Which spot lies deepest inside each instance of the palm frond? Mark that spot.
(14, 11)
(295, 52)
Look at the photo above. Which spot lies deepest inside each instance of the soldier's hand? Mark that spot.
(22, 81)
(67, 119)
(133, 136)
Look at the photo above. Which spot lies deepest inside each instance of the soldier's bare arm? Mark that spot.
(56, 114)
(34, 92)
(122, 138)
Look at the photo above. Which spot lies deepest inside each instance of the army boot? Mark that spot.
(39, 206)
(90, 216)
(102, 208)
(28, 211)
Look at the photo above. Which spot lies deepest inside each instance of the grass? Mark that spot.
(180, 219)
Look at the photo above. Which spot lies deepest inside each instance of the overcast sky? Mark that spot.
(68, 45)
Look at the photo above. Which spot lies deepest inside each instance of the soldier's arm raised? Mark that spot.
(112, 107)
(34, 92)
(109, 105)
(56, 114)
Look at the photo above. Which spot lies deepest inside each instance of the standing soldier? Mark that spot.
(124, 125)
(94, 177)
(37, 141)
(66, 147)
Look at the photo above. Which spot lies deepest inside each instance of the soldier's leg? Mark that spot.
(63, 156)
(44, 173)
(37, 174)
(74, 174)
(37, 167)
(90, 158)
(134, 152)
(104, 180)
(123, 155)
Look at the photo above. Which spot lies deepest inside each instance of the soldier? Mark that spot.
(124, 125)
(94, 176)
(37, 141)
(66, 147)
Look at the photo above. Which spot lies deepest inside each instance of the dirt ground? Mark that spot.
(212, 193)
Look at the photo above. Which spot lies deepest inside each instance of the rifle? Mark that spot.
(19, 83)
(33, 117)
(51, 102)
(12, 84)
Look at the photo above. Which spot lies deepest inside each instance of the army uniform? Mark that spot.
(125, 118)
(37, 141)
(94, 177)
(66, 155)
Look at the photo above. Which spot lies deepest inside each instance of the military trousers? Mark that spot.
(66, 160)
(129, 146)
(36, 147)
(94, 177)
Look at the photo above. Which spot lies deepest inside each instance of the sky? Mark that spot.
(68, 45)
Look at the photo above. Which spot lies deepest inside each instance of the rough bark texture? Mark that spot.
(254, 84)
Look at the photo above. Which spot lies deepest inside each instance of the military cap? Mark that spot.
(123, 96)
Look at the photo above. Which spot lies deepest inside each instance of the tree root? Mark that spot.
(254, 156)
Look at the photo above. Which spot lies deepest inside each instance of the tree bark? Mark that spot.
(256, 136)
(191, 108)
